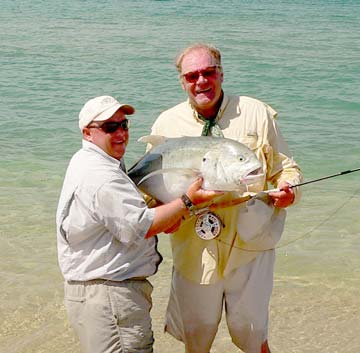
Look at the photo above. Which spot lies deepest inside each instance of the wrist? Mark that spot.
(188, 204)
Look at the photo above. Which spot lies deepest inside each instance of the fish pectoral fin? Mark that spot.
(187, 172)
(153, 140)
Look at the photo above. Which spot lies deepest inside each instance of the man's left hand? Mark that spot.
(283, 198)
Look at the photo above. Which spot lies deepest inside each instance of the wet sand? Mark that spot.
(311, 311)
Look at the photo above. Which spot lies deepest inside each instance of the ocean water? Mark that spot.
(301, 56)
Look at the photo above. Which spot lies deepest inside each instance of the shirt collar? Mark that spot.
(220, 112)
(89, 146)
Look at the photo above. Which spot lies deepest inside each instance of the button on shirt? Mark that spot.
(102, 220)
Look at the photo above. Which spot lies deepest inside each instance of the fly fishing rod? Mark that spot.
(248, 197)
(319, 179)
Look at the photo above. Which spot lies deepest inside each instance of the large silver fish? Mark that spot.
(172, 164)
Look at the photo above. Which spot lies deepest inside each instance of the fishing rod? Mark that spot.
(319, 179)
(248, 197)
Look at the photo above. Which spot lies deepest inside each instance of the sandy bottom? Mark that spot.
(309, 314)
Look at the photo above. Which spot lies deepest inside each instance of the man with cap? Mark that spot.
(106, 236)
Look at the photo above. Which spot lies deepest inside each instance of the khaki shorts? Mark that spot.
(111, 317)
(194, 310)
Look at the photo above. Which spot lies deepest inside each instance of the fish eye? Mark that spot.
(241, 159)
(204, 159)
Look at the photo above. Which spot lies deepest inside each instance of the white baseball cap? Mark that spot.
(100, 109)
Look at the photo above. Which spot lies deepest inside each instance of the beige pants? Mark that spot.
(194, 310)
(111, 317)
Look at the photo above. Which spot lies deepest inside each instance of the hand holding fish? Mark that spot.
(284, 197)
(169, 215)
(197, 195)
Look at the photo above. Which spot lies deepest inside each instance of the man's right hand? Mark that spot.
(197, 195)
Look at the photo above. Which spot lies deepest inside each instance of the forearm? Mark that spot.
(170, 214)
(167, 216)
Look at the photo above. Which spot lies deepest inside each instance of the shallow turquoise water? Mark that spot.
(302, 57)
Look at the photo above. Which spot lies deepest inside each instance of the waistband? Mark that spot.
(104, 281)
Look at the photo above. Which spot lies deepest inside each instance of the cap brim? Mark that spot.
(128, 109)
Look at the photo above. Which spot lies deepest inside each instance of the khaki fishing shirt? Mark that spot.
(252, 123)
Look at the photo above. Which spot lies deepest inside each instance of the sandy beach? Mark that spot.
(310, 311)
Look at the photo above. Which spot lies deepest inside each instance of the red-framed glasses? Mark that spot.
(193, 76)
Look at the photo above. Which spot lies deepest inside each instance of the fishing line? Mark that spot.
(308, 233)
(305, 235)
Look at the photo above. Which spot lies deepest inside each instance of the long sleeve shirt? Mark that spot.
(252, 123)
(102, 221)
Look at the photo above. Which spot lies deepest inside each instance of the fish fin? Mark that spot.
(182, 171)
(153, 140)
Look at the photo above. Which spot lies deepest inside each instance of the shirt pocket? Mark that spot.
(251, 141)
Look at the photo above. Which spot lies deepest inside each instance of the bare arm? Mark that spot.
(170, 214)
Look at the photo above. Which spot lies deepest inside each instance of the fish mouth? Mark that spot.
(253, 176)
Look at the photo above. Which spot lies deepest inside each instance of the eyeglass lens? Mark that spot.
(193, 76)
(113, 126)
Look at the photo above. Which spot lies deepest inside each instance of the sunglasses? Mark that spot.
(193, 76)
(112, 126)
